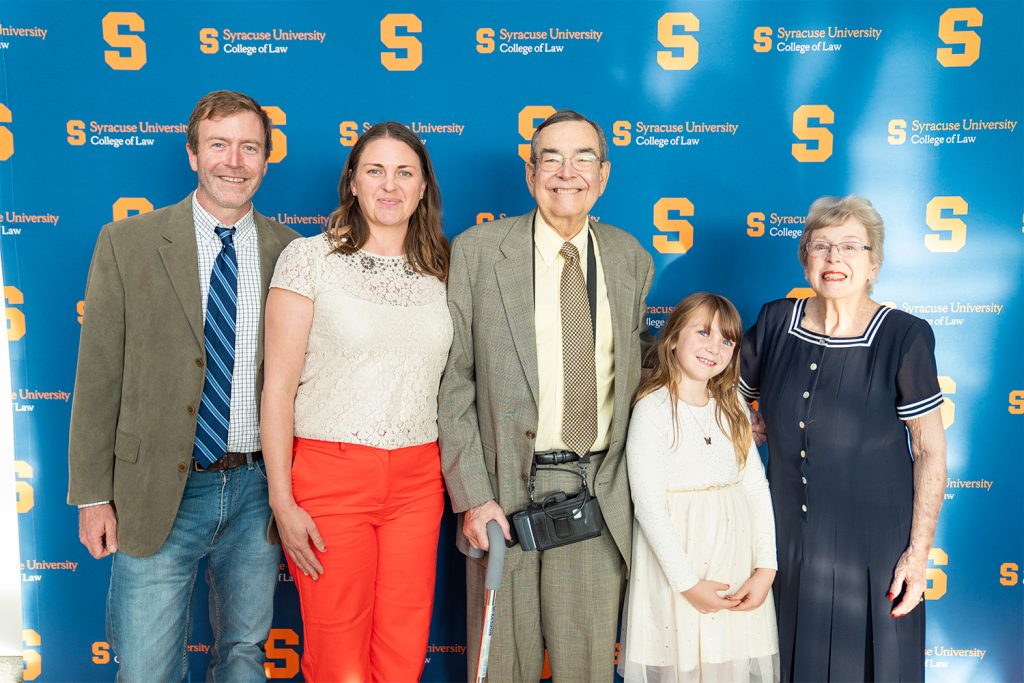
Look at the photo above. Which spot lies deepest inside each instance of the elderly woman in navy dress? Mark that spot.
(841, 381)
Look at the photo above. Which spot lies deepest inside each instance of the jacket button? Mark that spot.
(199, 362)
(524, 477)
(530, 434)
(190, 409)
(182, 466)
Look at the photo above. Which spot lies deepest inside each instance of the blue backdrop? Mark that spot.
(726, 120)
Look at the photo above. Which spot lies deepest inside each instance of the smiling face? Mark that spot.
(565, 196)
(834, 276)
(701, 350)
(388, 182)
(230, 161)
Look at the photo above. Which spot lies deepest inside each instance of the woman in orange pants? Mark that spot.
(379, 511)
(357, 335)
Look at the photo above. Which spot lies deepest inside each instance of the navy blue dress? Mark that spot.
(841, 476)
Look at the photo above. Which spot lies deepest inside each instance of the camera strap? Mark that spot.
(582, 466)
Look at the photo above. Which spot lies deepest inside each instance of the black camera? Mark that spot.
(559, 520)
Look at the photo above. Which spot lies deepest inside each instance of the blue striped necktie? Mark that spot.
(219, 336)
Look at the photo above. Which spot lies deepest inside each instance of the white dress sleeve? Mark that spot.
(647, 445)
(760, 501)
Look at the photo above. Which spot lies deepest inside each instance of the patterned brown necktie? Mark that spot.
(579, 409)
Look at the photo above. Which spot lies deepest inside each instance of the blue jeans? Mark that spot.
(223, 515)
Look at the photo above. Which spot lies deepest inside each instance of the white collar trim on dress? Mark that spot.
(865, 339)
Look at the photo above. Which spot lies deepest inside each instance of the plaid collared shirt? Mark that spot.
(244, 428)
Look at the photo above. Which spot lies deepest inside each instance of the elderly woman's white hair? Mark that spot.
(828, 211)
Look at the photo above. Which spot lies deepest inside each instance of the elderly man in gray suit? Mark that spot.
(165, 462)
(548, 308)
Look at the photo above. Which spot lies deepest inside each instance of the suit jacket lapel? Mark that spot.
(621, 285)
(515, 283)
(180, 257)
(270, 248)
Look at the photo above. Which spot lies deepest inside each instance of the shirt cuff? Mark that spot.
(92, 505)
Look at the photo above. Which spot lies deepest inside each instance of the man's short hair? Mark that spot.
(561, 116)
(221, 103)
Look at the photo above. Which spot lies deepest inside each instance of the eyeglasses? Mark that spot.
(846, 249)
(581, 161)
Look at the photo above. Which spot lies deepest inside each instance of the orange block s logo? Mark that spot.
(33, 660)
(667, 36)
(819, 134)
(208, 43)
(389, 26)
(15, 317)
(278, 140)
(288, 656)
(6, 136)
(485, 40)
(680, 226)
(117, 59)
(969, 41)
(130, 206)
(529, 118)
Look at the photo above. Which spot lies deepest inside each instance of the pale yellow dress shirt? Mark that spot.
(547, 276)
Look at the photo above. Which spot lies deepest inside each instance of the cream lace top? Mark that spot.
(378, 344)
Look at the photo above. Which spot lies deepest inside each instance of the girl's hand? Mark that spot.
(754, 590)
(705, 599)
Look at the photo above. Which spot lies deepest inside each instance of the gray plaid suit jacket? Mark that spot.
(488, 400)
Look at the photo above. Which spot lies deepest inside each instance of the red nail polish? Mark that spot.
(889, 594)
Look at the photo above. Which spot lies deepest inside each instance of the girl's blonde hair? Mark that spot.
(729, 410)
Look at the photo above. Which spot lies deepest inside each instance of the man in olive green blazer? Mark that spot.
(138, 391)
(501, 401)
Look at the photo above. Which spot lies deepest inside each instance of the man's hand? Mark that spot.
(474, 524)
(97, 529)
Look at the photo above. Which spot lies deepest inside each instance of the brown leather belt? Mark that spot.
(229, 462)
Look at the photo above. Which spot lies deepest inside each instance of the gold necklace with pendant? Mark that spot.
(706, 431)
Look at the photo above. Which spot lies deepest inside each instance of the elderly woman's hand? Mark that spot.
(928, 442)
(758, 429)
(910, 578)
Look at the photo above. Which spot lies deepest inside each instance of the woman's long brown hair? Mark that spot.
(426, 247)
(722, 387)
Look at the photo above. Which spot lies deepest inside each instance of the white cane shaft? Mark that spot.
(486, 630)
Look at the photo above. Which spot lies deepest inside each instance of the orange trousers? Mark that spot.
(367, 618)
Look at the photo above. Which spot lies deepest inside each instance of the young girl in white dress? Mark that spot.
(698, 607)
